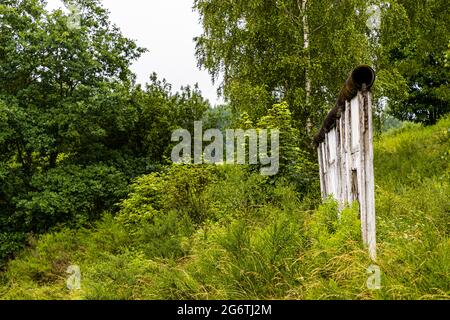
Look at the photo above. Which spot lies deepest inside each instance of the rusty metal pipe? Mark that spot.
(361, 78)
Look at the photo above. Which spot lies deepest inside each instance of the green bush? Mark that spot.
(10, 243)
(70, 195)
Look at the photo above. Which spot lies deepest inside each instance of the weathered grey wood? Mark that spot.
(370, 183)
(346, 164)
(348, 157)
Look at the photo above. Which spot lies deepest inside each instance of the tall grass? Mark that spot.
(225, 233)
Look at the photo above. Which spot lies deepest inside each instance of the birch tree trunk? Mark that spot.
(306, 48)
(303, 9)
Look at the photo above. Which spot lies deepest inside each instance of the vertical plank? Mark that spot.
(347, 147)
(370, 181)
(355, 124)
(325, 169)
(362, 167)
(321, 168)
(341, 162)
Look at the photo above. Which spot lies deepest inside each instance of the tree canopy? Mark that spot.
(300, 51)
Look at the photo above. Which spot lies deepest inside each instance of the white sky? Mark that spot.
(166, 28)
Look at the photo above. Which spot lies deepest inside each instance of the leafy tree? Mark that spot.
(295, 163)
(74, 127)
(292, 50)
(56, 76)
(414, 37)
(156, 112)
(60, 86)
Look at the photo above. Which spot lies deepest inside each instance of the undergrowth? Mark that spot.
(222, 232)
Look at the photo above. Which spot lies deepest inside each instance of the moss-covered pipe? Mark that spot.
(361, 78)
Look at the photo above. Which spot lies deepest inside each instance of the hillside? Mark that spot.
(219, 232)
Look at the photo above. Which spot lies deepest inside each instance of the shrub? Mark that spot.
(70, 195)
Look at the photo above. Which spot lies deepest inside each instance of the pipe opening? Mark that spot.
(363, 74)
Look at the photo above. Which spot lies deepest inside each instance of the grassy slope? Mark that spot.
(261, 242)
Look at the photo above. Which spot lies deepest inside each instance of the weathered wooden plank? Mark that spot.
(348, 157)
(321, 172)
(370, 182)
(361, 170)
(355, 128)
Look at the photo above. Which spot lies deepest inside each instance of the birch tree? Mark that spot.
(298, 51)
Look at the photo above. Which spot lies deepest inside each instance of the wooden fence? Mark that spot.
(345, 149)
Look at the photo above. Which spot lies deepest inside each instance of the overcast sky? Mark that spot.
(166, 28)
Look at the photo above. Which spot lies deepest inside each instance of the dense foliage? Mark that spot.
(221, 232)
(260, 49)
(86, 177)
(413, 39)
(301, 51)
(74, 128)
